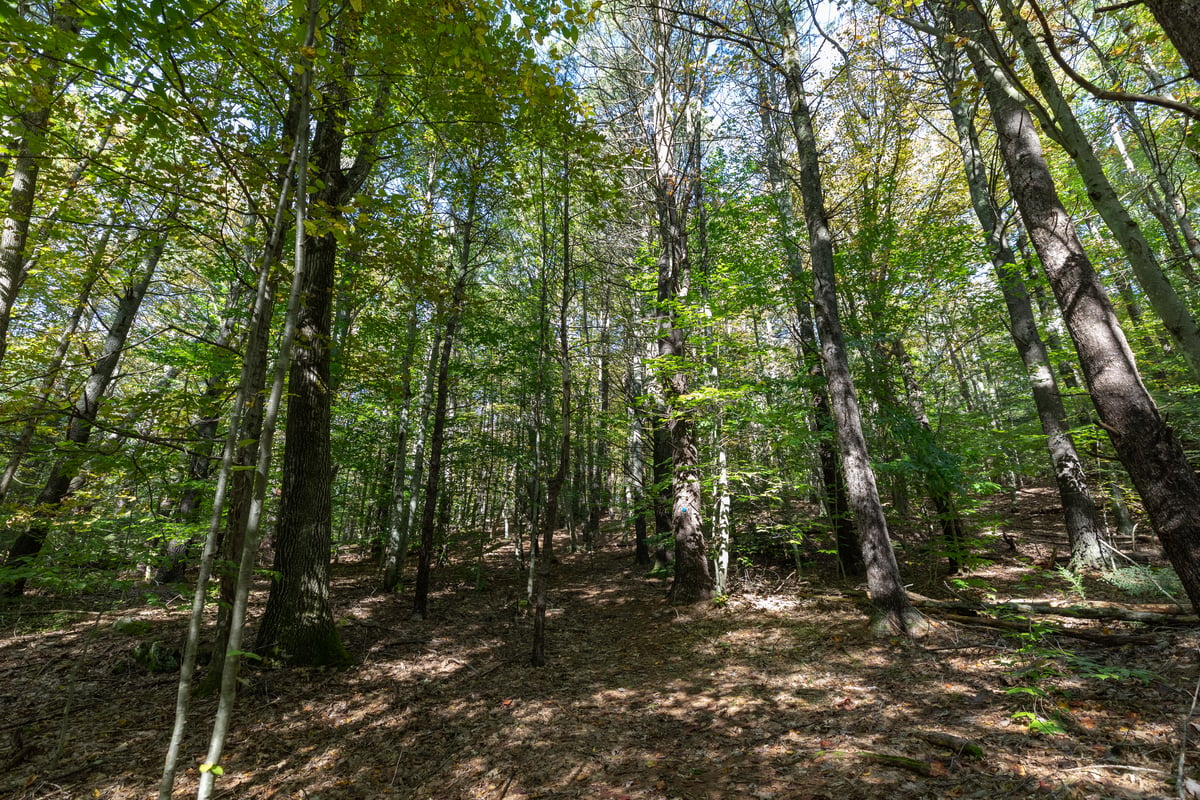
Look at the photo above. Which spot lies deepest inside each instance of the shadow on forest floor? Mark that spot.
(781, 693)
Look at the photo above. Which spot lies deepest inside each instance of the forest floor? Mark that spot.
(782, 693)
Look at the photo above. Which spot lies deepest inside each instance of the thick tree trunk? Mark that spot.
(1180, 19)
(298, 624)
(1079, 508)
(883, 573)
(833, 482)
(1146, 445)
(1067, 132)
(693, 580)
(28, 544)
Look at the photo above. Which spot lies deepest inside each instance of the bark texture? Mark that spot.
(832, 480)
(1079, 507)
(1062, 126)
(883, 572)
(1145, 444)
(1180, 19)
(298, 624)
(32, 126)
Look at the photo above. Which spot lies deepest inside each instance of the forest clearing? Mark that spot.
(781, 692)
(599, 398)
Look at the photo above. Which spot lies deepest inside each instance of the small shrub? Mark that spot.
(1142, 581)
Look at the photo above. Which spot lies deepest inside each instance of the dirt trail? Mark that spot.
(775, 696)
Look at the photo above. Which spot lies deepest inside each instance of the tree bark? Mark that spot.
(437, 436)
(1180, 19)
(28, 544)
(833, 482)
(693, 580)
(298, 624)
(1065, 130)
(1079, 507)
(1145, 444)
(883, 572)
(397, 536)
(32, 127)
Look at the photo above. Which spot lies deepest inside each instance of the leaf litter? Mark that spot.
(782, 693)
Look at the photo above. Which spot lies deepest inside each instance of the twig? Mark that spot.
(785, 580)
(1126, 767)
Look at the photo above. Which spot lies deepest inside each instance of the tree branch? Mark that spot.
(1095, 90)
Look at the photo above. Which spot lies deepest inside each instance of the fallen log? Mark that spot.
(1109, 639)
(1151, 613)
(956, 744)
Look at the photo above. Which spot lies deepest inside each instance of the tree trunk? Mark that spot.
(1066, 131)
(883, 573)
(1079, 508)
(833, 482)
(32, 128)
(1180, 19)
(437, 437)
(393, 555)
(692, 581)
(39, 407)
(639, 505)
(199, 463)
(29, 543)
(298, 624)
(1146, 445)
(936, 465)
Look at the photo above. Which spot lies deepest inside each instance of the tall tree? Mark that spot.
(1060, 123)
(31, 140)
(1146, 445)
(671, 183)
(82, 421)
(298, 622)
(1079, 508)
(884, 584)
